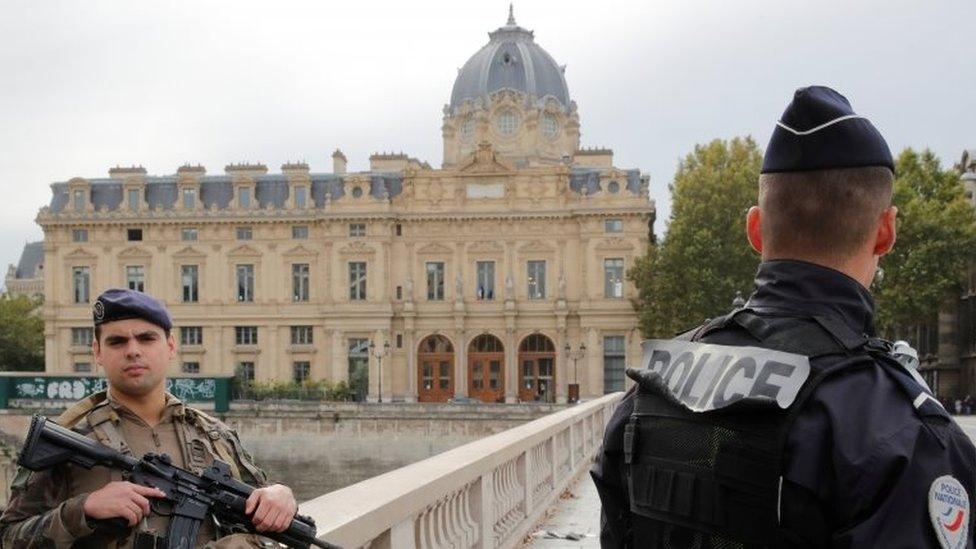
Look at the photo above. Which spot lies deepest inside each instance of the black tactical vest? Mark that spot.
(713, 479)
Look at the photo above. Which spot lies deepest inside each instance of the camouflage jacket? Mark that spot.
(46, 508)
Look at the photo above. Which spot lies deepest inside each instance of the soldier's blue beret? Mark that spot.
(121, 304)
(819, 130)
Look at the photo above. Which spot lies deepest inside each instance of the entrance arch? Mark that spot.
(486, 369)
(435, 369)
(537, 369)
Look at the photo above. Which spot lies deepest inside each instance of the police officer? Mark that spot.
(786, 422)
(60, 507)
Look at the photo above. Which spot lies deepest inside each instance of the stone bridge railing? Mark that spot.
(486, 494)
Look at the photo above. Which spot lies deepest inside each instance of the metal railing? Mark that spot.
(487, 494)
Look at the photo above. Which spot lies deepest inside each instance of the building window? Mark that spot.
(189, 198)
(300, 371)
(537, 279)
(191, 367)
(83, 367)
(435, 281)
(245, 371)
(243, 233)
(613, 187)
(399, 340)
(190, 279)
(357, 280)
(467, 128)
(82, 337)
(80, 281)
(399, 229)
(613, 277)
(399, 293)
(301, 196)
(79, 235)
(299, 232)
(245, 283)
(507, 122)
(613, 225)
(614, 356)
(244, 197)
(135, 278)
(191, 335)
(79, 200)
(299, 282)
(358, 367)
(188, 234)
(485, 285)
(245, 335)
(134, 235)
(133, 199)
(301, 335)
(357, 229)
(550, 126)
(357, 192)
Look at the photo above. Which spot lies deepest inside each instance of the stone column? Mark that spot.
(409, 335)
(563, 363)
(460, 363)
(591, 365)
(511, 364)
(339, 366)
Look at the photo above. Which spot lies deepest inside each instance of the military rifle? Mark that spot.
(192, 497)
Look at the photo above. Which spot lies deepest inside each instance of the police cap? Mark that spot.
(818, 131)
(122, 304)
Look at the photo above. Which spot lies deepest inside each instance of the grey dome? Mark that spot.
(510, 60)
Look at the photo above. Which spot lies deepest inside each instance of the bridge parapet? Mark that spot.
(486, 494)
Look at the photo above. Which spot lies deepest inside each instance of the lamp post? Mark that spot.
(379, 354)
(574, 354)
(738, 302)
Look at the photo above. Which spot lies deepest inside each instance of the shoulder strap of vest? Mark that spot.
(103, 421)
(78, 410)
(220, 439)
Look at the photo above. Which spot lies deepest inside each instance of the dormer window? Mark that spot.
(189, 198)
(79, 200)
(301, 196)
(550, 126)
(134, 199)
(507, 122)
(244, 197)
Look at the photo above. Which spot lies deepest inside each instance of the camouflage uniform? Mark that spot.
(46, 508)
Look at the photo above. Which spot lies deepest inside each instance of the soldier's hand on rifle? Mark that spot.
(121, 499)
(273, 506)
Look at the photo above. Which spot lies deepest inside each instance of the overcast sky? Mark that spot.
(88, 85)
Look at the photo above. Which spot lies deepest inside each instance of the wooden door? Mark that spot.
(435, 370)
(537, 369)
(486, 369)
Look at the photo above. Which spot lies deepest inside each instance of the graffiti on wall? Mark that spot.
(55, 388)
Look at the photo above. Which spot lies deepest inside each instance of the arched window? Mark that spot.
(537, 343)
(487, 343)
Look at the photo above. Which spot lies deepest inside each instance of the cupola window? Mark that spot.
(508, 122)
(467, 129)
(550, 126)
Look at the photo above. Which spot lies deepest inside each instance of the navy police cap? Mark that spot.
(818, 131)
(121, 304)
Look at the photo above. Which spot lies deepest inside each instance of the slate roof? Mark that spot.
(31, 260)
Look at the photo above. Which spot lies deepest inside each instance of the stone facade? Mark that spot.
(477, 275)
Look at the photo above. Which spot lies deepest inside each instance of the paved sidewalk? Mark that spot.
(575, 515)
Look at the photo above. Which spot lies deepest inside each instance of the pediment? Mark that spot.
(356, 248)
(189, 251)
(299, 250)
(615, 244)
(536, 247)
(435, 248)
(484, 160)
(244, 250)
(485, 247)
(135, 252)
(79, 253)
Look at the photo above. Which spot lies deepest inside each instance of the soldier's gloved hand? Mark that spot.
(121, 499)
(273, 506)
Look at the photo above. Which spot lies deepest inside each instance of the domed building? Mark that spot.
(500, 276)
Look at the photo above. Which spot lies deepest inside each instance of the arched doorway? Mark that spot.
(435, 369)
(537, 371)
(486, 369)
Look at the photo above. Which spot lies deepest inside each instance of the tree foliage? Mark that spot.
(705, 258)
(21, 334)
(935, 245)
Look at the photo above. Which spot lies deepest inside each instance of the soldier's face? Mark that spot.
(134, 354)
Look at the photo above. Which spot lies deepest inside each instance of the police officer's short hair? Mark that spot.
(823, 213)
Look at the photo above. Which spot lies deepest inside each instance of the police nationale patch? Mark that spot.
(949, 511)
(704, 376)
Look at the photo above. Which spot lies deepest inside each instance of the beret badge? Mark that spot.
(98, 310)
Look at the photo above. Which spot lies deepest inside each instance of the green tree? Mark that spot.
(935, 245)
(21, 335)
(705, 258)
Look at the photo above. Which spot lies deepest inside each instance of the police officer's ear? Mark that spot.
(754, 228)
(885, 235)
(171, 343)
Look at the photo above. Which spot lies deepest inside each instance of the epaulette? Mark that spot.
(80, 409)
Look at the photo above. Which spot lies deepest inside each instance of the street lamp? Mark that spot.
(378, 355)
(738, 302)
(575, 355)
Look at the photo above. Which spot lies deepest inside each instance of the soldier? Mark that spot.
(787, 423)
(61, 507)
